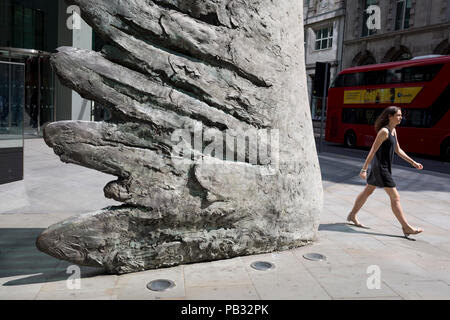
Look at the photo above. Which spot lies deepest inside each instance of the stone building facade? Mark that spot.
(409, 28)
(324, 30)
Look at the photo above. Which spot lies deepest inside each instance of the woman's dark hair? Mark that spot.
(383, 118)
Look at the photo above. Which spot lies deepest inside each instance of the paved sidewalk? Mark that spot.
(53, 191)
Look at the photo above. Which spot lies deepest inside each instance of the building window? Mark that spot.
(28, 27)
(324, 38)
(402, 56)
(366, 32)
(403, 14)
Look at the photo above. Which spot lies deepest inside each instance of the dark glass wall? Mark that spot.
(12, 81)
(29, 24)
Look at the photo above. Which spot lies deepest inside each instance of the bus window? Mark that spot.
(353, 79)
(420, 73)
(360, 115)
(440, 107)
(338, 82)
(393, 75)
(427, 117)
(374, 77)
(414, 118)
(349, 115)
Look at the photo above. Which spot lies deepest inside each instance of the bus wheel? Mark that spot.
(350, 139)
(445, 150)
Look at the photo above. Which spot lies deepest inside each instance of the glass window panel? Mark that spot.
(421, 73)
(317, 45)
(353, 79)
(11, 104)
(365, 31)
(439, 108)
(39, 29)
(413, 118)
(407, 15)
(324, 38)
(47, 105)
(374, 77)
(399, 15)
(337, 82)
(417, 117)
(360, 115)
(18, 26)
(28, 34)
(4, 97)
(393, 75)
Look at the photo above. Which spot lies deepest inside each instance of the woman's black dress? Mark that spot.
(380, 173)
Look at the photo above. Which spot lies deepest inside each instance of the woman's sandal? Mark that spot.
(414, 231)
(355, 223)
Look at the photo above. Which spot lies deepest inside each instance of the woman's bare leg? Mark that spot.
(397, 209)
(359, 202)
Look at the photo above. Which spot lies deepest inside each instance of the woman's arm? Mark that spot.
(381, 137)
(402, 154)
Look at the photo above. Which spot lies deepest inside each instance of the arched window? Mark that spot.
(443, 48)
(367, 60)
(363, 58)
(402, 56)
(397, 54)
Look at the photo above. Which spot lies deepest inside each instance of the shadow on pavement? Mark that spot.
(345, 227)
(19, 256)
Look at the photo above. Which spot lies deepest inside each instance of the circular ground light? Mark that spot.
(314, 256)
(262, 265)
(160, 285)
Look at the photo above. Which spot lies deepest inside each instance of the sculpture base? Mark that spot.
(126, 239)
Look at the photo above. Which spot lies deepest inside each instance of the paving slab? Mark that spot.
(348, 282)
(229, 272)
(239, 292)
(134, 286)
(23, 292)
(274, 285)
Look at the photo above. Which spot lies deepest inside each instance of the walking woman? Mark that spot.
(380, 157)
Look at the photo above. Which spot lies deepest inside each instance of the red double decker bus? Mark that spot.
(420, 87)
